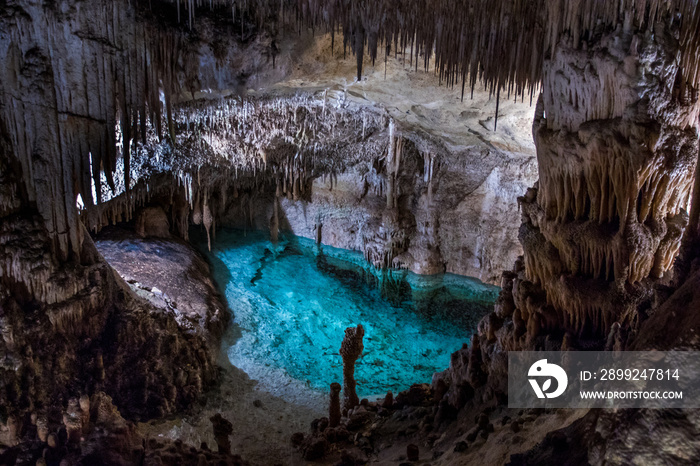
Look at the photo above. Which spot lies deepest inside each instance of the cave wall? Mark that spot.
(617, 146)
(70, 325)
(458, 223)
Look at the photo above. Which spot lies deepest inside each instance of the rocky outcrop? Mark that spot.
(102, 436)
(172, 276)
(603, 226)
(83, 329)
(611, 206)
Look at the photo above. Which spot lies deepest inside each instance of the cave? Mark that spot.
(273, 232)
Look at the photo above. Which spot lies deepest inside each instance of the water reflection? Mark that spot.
(294, 299)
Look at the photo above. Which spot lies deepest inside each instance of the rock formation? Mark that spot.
(617, 147)
(350, 350)
(222, 430)
(153, 222)
(334, 406)
(106, 438)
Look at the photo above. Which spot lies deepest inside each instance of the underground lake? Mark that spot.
(293, 300)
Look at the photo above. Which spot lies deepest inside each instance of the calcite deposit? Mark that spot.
(603, 226)
(350, 350)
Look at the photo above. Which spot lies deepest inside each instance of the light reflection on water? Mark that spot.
(293, 300)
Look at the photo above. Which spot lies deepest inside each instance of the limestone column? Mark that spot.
(617, 146)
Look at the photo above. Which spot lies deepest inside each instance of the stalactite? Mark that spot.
(274, 222)
(207, 220)
(476, 33)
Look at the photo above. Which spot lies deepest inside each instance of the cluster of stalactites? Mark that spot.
(231, 146)
(634, 235)
(605, 184)
(85, 108)
(501, 42)
(288, 138)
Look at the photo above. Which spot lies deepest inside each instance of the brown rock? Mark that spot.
(152, 222)
(350, 350)
(222, 430)
(412, 452)
(334, 406)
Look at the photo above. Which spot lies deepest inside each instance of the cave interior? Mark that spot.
(484, 177)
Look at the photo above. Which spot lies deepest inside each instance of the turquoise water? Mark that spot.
(293, 300)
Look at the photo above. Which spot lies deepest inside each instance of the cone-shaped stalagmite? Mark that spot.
(334, 407)
(222, 431)
(350, 350)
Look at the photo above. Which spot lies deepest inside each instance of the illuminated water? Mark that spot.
(293, 300)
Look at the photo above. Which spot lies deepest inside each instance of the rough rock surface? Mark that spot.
(462, 228)
(103, 437)
(171, 275)
(152, 222)
(604, 224)
(91, 332)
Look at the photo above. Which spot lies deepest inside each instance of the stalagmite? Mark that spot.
(72, 420)
(222, 432)
(85, 412)
(42, 428)
(334, 406)
(350, 350)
